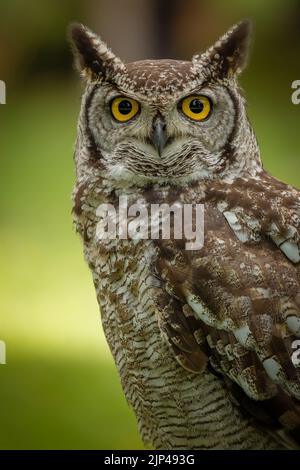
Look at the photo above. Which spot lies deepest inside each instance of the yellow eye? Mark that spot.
(196, 107)
(123, 109)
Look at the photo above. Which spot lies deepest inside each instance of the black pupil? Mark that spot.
(125, 107)
(196, 106)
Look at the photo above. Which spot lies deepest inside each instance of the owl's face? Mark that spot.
(164, 121)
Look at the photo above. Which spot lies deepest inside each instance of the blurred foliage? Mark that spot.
(60, 388)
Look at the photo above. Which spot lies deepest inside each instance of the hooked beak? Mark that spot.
(159, 135)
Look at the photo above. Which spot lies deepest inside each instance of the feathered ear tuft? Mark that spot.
(228, 56)
(93, 58)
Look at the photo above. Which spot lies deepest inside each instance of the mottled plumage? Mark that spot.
(202, 339)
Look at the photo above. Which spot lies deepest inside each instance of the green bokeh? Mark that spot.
(59, 388)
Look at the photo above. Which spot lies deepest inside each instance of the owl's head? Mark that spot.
(164, 121)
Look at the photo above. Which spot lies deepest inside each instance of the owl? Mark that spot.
(203, 339)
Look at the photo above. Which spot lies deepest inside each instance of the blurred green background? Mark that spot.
(59, 388)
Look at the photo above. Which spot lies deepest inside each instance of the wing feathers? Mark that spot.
(236, 302)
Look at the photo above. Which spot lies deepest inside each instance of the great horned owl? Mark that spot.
(203, 339)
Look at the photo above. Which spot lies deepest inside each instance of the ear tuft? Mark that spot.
(229, 55)
(92, 56)
(84, 49)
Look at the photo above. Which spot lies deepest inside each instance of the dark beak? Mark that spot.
(159, 136)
